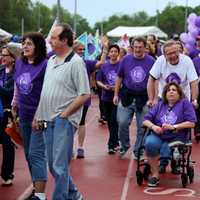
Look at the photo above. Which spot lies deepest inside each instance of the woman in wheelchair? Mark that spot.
(169, 121)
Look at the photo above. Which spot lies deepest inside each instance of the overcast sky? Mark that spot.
(97, 10)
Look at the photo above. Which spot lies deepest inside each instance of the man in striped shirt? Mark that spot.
(65, 89)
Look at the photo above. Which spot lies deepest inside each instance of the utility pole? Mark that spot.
(186, 14)
(157, 13)
(75, 16)
(22, 26)
(58, 11)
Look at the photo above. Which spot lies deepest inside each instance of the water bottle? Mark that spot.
(176, 154)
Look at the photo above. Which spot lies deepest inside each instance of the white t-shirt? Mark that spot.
(183, 73)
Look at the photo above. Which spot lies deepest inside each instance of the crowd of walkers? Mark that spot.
(158, 84)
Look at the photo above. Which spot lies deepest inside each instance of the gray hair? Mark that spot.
(168, 43)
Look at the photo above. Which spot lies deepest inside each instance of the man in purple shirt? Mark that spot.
(132, 76)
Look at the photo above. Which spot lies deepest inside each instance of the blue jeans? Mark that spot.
(34, 149)
(154, 146)
(59, 142)
(124, 118)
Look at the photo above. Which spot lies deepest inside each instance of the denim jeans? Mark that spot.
(59, 142)
(154, 146)
(34, 149)
(124, 118)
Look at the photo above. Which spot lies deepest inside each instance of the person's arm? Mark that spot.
(75, 105)
(117, 88)
(151, 90)
(152, 126)
(194, 92)
(105, 43)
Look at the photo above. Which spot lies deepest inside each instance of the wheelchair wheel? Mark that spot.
(184, 179)
(139, 177)
(190, 173)
(146, 171)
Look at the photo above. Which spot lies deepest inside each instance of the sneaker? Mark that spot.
(141, 157)
(122, 152)
(162, 169)
(80, 153)
(153, 182)
(78, 196)
(101, 121)
(111, 151)
(35, 198)
(8, 182)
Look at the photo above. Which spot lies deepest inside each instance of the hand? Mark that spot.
(151, 103)
(105, 41)
(115, 100)
(166, 127)
(195, 104)
(108, 87)
(35, 125)
(157, 129)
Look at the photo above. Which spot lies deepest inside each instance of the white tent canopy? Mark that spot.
(136, 31)
(4, 33)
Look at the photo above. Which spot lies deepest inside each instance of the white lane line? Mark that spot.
(26, 193)
(127, 180)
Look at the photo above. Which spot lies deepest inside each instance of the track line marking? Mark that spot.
(127, 180)
(26, 192)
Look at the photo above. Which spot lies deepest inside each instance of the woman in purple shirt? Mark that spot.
(168, 121)
(29, 75)
(106, 78)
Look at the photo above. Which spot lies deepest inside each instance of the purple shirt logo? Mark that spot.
(173, 77)
(169, 118)
(111, 77)
(24, 83)
(137, 74)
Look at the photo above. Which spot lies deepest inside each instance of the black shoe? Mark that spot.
(111, 151)
(162, 169)
(153, 182)
(176, 170)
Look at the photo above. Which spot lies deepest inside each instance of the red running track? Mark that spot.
(104, 177)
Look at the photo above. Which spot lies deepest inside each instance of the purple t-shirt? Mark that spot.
(196, 62)
(194, 53)
(90, 66)
(107, 75)
(180, 112)
(135, 72)
(29, 79)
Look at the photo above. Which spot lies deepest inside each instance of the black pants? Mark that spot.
(101, 107)
(7, 167)
(111, 116)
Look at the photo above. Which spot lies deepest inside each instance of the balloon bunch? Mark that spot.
(189, 39)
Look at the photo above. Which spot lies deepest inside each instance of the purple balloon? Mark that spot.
(191, 40)
(184, 37)
(193, 31)
(191, 18)
(189, 47)
(197, 21)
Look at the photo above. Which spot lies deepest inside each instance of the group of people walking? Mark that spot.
(52, 96)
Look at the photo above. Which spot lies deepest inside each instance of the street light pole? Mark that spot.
(186, 14)
(58, 11)
(75, 16)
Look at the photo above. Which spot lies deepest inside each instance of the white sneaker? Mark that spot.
(7, 183)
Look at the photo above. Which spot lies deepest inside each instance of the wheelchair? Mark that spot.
(180, 159)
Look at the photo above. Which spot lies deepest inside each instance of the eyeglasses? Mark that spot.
(3, 55)
(81, 49)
